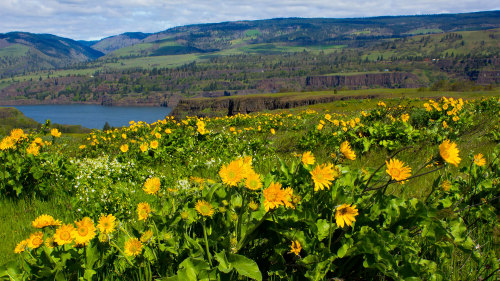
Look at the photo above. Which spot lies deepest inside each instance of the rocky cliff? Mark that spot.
(369, 80)
(486, 77)
(247, 104)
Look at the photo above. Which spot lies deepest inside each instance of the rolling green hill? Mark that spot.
(352, 32)
(22, 52)
(451, 51)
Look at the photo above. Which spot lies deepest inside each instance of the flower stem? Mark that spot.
(121, 252)
(206, 243)
(330, 233)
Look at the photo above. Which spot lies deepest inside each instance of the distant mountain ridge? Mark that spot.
(26, 52)
(307, 31)
(116, 42)
(23, 51)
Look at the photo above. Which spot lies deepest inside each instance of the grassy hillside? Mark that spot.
(22, 52)
(436, 211)
(266, 67)
(11, 118)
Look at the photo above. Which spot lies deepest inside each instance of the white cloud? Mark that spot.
(86, 19)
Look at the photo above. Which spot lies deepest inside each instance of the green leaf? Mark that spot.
(319, 271)
(245, 266)
(236, 201)
(190, 268)
(447, 202)
(224, 264)
(92, 255)
(88, 274)
(458, 230)
(343, 250)
(323, 229)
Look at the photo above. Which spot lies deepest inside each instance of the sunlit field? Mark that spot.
(396, 189)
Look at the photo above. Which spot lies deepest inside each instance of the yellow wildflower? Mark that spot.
(296, 247)
(479, 160)
(308, 158)
(143, 210)
(397, 170)
(345, 215)
(323, 175)
(35, 240)
(133, 247)
(124, 148)
(204, 208)
(107, 223)
(63, 234)
(55, 133)
(345, 149)
(85, 231)
(449, 152)
(152, 185)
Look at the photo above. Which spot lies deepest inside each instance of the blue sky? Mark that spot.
(96, 19)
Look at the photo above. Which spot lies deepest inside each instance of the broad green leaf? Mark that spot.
(323, 229)
(88, 274)
(92, 255)
(458, 230)
(224, 264)
(190, 268)
(319, 271)
(343, 250)
(245, 266)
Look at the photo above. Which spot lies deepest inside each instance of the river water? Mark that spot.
(93, 116)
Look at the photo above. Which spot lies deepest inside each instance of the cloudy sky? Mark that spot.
(96, 19)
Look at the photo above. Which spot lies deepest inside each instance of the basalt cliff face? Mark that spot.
(486, 77)
(247, 104)
(369, 80)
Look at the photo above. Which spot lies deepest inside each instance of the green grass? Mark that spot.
(424, 31)
(16, 215)
(354, 73)
(15, 50)
(137, 49)
(361, 32)
(252, 33)
(158, 61)
(11, 118)
(4, 84)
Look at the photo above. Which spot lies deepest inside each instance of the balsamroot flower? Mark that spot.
(55, 133)
(85, 231)
(133, 247)
(308, 158)
(345, 215)
(204, 208)
(253, 181)
(124, 148)
(232, 173)
(143, 210)
(274, 196)
(449, 152)
(323, 175)
(479, 160)
(44, 221)
(63, 234)
(296, 247)
(346, 150)
(107, 223)
(35, 240)
(152, 185)
(397, 170)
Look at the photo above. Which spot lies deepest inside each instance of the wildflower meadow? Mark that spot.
(403, 190)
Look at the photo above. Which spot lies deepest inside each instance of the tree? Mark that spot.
(106, 126)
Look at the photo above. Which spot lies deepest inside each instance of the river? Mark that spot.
(93, 116)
